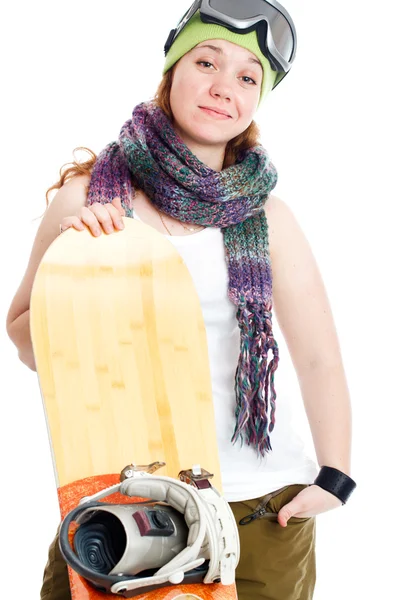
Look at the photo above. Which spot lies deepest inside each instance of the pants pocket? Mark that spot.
(284, 497)
(276, 563)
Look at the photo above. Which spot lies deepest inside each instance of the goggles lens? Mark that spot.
(251, 11)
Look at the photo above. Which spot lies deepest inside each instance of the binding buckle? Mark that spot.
(130, 470)
(196, 476)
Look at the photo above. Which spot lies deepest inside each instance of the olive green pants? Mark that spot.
(276, 563)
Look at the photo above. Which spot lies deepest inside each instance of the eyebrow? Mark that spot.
(220, 51)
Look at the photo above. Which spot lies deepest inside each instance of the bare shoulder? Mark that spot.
(69, 199)
(289, 247)
(271, 206)
(281, 221)
(78, 181)
(300, 297)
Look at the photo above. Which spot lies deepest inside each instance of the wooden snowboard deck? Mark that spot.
(122, 360)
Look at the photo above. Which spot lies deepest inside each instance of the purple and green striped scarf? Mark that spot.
(179, 184)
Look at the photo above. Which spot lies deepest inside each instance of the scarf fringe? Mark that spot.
(255, 377)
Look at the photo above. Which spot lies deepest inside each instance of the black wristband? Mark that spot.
(337, 483)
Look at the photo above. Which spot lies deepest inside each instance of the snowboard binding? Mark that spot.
(185, 533)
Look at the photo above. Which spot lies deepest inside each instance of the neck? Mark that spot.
(211, 155)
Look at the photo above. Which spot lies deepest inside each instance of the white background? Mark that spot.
(72, 73)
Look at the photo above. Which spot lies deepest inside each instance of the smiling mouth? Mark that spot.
(215, 113)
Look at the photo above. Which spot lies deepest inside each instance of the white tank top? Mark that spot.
(244, 475)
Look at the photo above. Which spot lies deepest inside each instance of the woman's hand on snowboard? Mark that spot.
(97, 218)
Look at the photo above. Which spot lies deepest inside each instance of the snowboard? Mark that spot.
(122, 361)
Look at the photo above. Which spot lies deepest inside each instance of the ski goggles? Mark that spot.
(276, 33)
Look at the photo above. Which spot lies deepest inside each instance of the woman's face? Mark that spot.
(226, 77)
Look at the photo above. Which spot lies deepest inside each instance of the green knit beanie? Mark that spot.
(195, 31)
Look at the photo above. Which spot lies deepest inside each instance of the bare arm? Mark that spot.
(68, 201)
(305, 318)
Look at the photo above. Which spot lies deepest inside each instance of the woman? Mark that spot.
(189, 163)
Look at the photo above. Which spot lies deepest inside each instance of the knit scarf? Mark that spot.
(150, 152)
